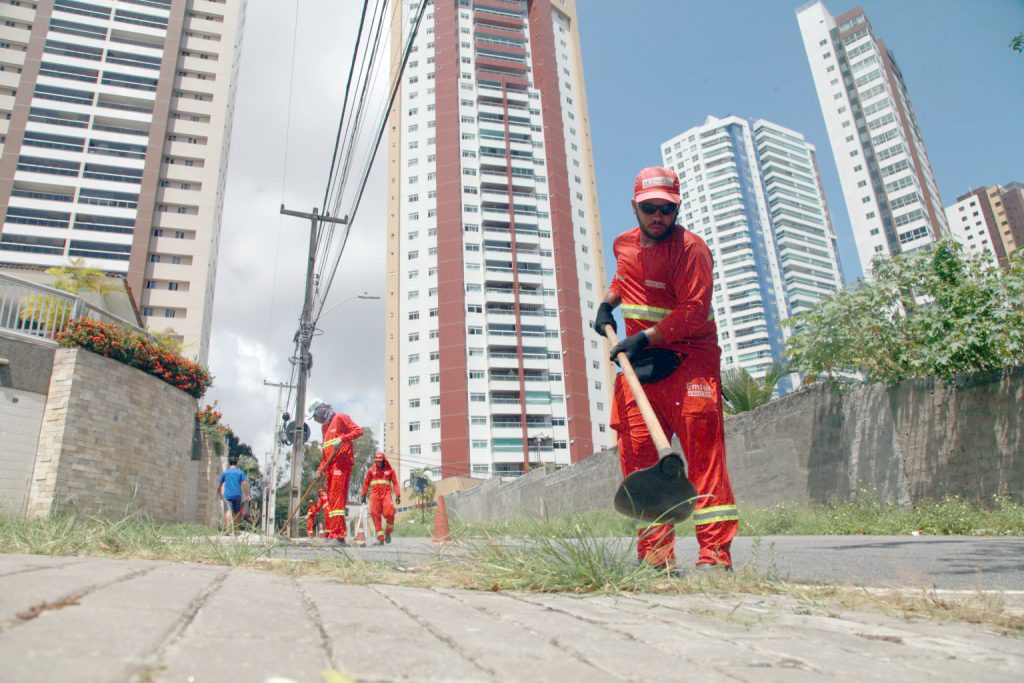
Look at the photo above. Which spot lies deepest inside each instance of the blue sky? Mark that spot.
(655, 68)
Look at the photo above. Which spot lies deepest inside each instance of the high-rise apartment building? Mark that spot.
(989, 220)
(115, 120)
(884, 170)
(494, 255)
(751, 190)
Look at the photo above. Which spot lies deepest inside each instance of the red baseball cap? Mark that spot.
(656, 182)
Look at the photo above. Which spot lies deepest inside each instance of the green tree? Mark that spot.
(50, 312)
(1017, 43)
(741, 392)
(932, 313)
(427, 494)
(169, 339)
(311, 454)
(365, 446)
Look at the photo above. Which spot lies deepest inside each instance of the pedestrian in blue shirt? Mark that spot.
(234, 489)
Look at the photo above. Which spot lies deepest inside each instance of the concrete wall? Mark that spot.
(917, 440)
(115, 439)
(29, 363)
(587, 485)
(911, 442)
(25, 366)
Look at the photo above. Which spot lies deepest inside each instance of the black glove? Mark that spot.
(604, 318)
(364, 500)
(631, 346)
(398, 500)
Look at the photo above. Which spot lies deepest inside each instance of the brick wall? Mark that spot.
(115, 439)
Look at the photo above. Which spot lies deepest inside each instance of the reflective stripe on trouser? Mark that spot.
(686, 405)
(337, 496)
(382, 506)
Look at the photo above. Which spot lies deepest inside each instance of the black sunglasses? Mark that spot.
(651, 209)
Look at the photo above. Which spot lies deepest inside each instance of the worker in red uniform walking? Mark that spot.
(339, 431)
(315, 506)
(381, 482)
(663, 280)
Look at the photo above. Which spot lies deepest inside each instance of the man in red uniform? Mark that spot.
(381, 482)
(664, 282)
(339, 431)
(314, 507)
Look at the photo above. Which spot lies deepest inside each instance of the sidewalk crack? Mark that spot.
(447, 640)
(71, 598)
(155, 659)
(314, 612)
(553, 640)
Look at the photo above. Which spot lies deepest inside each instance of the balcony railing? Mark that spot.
(33, 310)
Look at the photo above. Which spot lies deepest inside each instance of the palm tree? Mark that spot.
(50, 313)
(425, 495)
(741, 392)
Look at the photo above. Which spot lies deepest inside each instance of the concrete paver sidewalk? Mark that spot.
(135, 620)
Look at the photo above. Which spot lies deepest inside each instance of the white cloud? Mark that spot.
(262, 260)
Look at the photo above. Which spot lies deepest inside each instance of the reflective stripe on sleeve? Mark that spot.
(638, 312)
(332, 442)
(719, 513)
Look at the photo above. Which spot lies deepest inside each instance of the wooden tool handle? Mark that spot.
(650, 419)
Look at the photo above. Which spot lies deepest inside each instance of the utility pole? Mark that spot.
(270, 498)
(304, 337)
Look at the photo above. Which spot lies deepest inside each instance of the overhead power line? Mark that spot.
(347, 149)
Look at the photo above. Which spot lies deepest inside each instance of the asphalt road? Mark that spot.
(943, 562)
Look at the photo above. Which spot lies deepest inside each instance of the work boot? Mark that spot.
(341, 541)
(387, 536)
(713, 567)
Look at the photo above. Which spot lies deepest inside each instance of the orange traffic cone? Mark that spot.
(441, 532)
(360, 539)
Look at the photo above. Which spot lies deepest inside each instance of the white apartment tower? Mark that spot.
(884, 170)
(751, 190)
(972, 227)
(115, 120)
(989, 220)
(494, 245)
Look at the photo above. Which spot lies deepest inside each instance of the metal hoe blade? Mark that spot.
(660, 493)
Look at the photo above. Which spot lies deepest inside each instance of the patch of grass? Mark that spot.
(134, 536)
(981, 607)
(951, 516)
(598, 523)
(414, 524)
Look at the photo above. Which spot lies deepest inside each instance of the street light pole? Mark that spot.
(364, 295)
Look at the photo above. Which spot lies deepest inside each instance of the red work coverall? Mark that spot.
(670, 285)
(381, 482)
(315, 507)
(337, 461)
